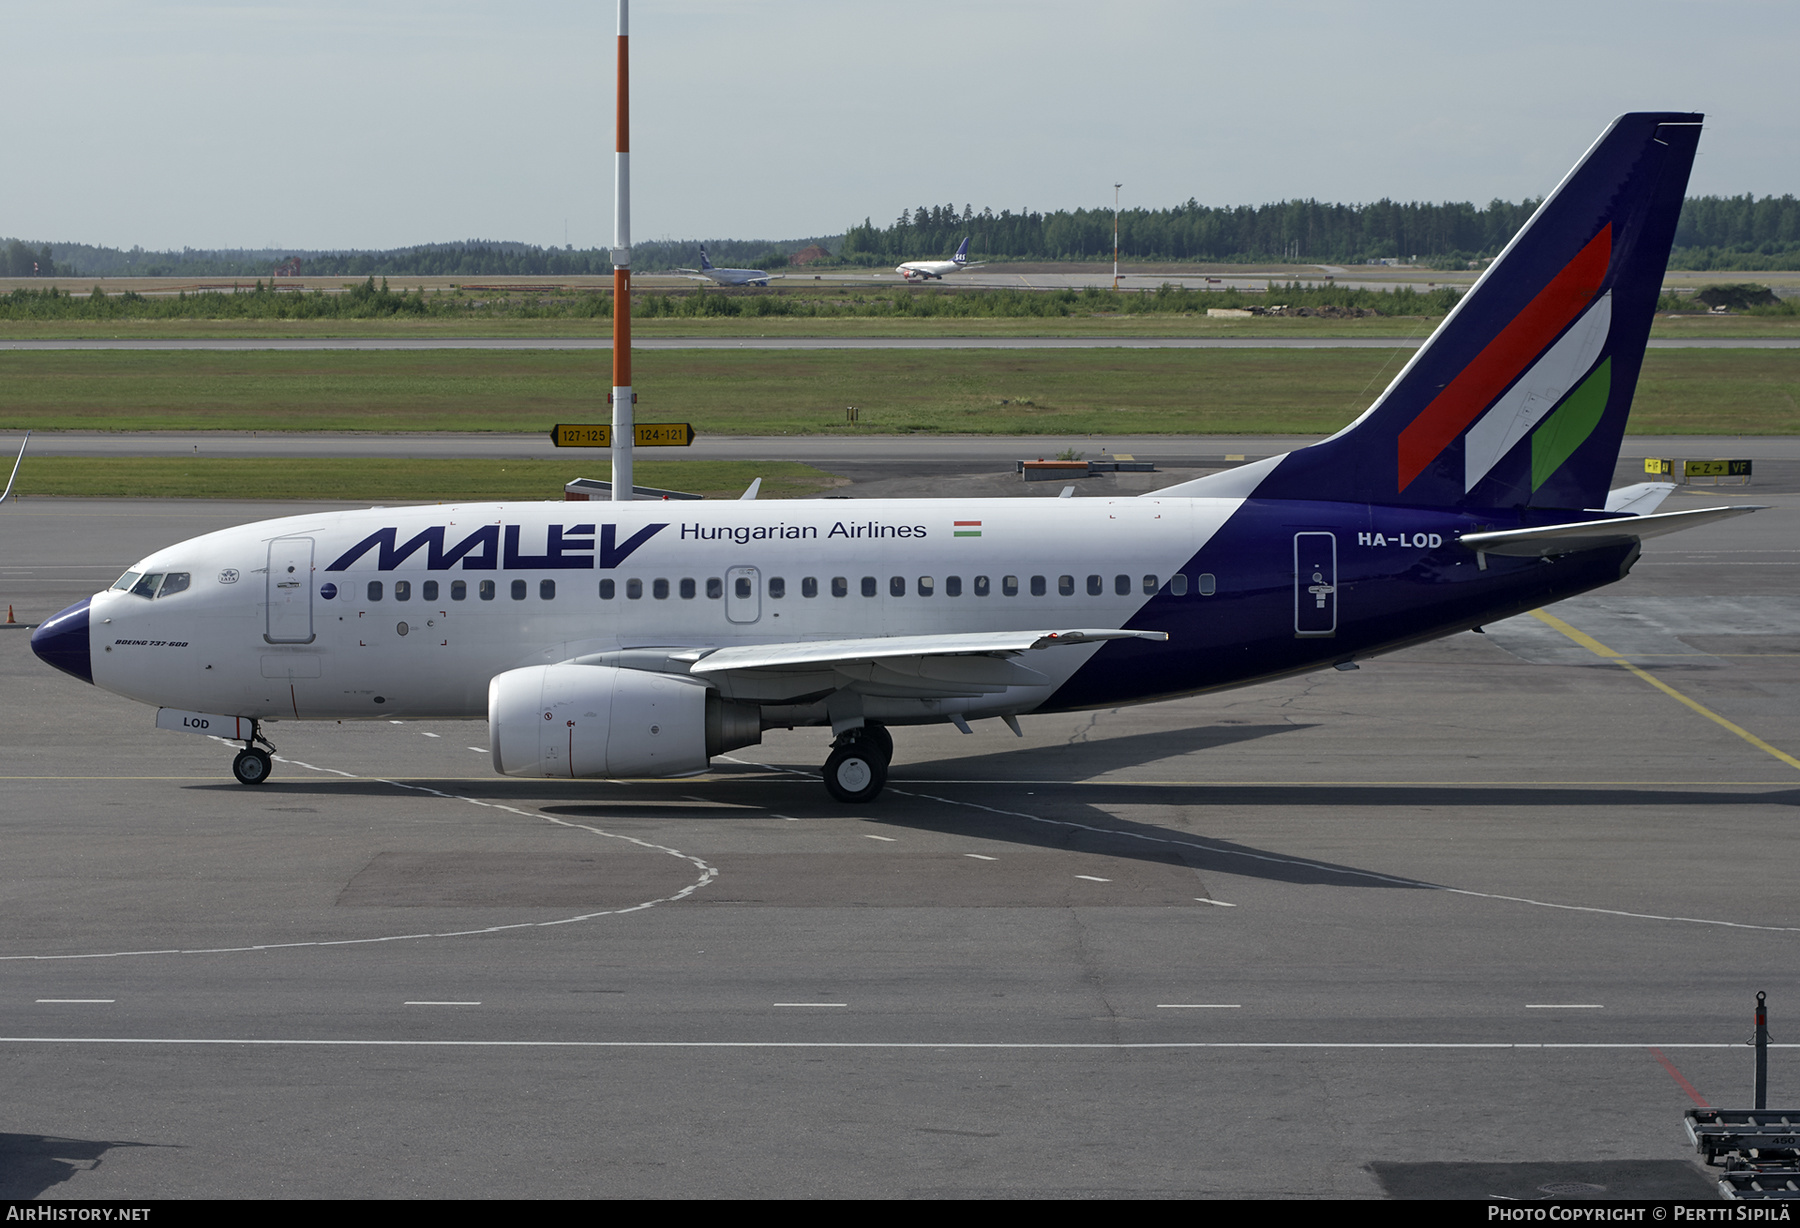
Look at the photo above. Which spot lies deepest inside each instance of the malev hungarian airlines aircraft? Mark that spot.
(640, 639)
(727, 277)
(926, 270)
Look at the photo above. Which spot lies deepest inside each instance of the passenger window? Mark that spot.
(840, 587)
(1122, 585)
(659, 589)
(741, 586)
(715, 587)
(607, 589)
(1009, 585)
(1065, 585)
(1038, 586)
(926, 585)
(777, 587)
(981, 586)
(1150, 586)
(1178, 584)
(402, 590)
(429, 590)
(809, 587)
(459, 590)
(487, 590)
(546, 590)
(174, 582)
(687, 588)
(374, 590)
(952, 586)
(1208, 586)
(146, 587)
(1096, 586)
(518, 590)
(634, 590)
(868, 586)
(896, 586)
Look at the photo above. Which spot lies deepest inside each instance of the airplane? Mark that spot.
(727, 277)
(925, 270)
(645, 639)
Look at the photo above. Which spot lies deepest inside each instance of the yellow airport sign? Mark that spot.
(644, 435)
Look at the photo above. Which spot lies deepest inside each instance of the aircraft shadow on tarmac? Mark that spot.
(1055, 813)
(33, 1163)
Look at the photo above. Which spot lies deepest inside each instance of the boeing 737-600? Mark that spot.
(612, 641)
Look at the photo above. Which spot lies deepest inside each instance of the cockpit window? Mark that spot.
(146, 585)
(174, 582)
(124, 582)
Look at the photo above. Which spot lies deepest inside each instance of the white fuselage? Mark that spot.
(289, 619)
(915, 269)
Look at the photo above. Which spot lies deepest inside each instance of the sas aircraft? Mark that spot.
(926, 270)
(727, 277)
(616, 641)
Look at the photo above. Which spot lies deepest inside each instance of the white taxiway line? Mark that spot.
(809, 1004)
(1199, 1006)
(270, 1042)
(889, 839)
(78, 1001)
(443, 1004)
(1565, 1006)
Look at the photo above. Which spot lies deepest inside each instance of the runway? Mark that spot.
(810, 343)
(1471, 920)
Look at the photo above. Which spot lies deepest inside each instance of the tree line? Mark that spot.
(1738, 232)
(1715, 232)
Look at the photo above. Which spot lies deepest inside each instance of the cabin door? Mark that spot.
(1315, 584)
(289, 591)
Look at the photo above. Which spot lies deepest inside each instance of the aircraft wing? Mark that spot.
(1544, 541)
(976, 663)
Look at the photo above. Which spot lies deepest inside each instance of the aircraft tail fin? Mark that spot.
(1519, 399)
(962, 251)
(704, 262)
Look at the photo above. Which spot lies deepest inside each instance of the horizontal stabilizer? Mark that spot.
(1639, 500)
(1547, 540)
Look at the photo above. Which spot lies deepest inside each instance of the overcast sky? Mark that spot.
(380, 123)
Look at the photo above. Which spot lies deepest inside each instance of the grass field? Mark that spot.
(805, 392)
(1125, 326)
(401, 481)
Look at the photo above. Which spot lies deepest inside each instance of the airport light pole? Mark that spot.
(1116, 188)
(623, 434)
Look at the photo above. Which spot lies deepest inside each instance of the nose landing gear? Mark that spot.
(857, 768)
(253, 765)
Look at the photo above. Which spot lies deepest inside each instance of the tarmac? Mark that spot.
(1481, 918)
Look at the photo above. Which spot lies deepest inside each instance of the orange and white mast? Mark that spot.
(623, 434)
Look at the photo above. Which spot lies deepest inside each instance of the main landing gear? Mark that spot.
(857, 768)
(253, 765)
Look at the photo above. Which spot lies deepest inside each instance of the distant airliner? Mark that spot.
(727, 277)
(608, 641)
(925, 270)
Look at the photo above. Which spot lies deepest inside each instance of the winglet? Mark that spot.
(15, 469)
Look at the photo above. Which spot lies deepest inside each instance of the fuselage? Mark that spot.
(737, 277)
(409, 612)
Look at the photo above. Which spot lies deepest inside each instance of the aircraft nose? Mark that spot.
(62, 641)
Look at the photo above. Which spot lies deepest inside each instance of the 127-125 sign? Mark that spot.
(644, 435)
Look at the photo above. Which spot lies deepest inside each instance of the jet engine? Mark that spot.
(596, 720)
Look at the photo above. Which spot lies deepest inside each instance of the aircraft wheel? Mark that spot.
(855, 773)
(876, 740)
(252, 767)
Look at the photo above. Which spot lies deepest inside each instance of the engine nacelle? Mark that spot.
(595, 720)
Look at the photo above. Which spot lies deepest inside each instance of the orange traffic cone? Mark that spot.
(9, 617)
